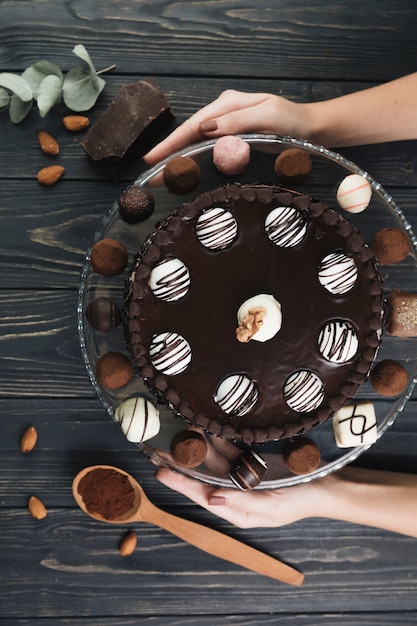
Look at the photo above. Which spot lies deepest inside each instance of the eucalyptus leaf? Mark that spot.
(80, 51)
(37, 72)
(49, 93)
(17, 85)
(4, 99)
(81, 89)
(18, 109)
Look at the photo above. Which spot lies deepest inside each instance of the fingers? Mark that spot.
(212, 120)
(195, 490)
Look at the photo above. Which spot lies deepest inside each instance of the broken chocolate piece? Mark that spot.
(131, 124)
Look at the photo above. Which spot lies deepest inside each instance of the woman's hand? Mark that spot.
(232, 113)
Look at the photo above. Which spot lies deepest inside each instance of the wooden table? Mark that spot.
(67, 569)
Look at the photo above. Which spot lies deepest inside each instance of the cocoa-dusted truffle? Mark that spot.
(109, 257)
(113, 370)
(136, 204)
(390, 246)
(188, 448)
(301, 456)
(389, 378)
(402, 314)
(293, 166)
(182, 175)
(248, 470)
(103, 314)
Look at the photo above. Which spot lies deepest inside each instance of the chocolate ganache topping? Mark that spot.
(244, 243)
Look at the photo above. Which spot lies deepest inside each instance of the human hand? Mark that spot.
(235, 112)
(248, 509)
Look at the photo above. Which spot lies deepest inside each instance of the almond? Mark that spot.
(36, 508)
(29, 439)
(50, 175)
(75, 122)
(128, 544)
(48, 144)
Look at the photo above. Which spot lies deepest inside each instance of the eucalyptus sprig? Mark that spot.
(45, 84)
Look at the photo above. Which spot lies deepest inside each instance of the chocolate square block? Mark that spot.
(131, 124)
(402, 314)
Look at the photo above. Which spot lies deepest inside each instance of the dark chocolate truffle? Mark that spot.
(136, 204)
(248, 470)
(402, 314)
(389, 378)
(390, 246)
(188, 448)
(103, 314)
(182, 175)
(301, 456)
(109, 257)
(113, 370)
(293, 166)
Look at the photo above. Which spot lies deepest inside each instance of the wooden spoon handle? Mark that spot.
(223, 547)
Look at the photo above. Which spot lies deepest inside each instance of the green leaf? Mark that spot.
(4, 99)
(17, 85)
(18, 109)
(81, 89)
(36, 73)
(49, 93)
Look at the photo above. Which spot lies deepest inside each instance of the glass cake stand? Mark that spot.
(329, 169)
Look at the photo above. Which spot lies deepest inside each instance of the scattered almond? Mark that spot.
(36, 508)
(29, 439)
(50, 175)
(75, 122)
(48, 144)
(128, 544)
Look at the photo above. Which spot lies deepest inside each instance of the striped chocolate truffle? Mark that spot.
(337, 273)
(216, 228)
(285, 226)
(170, 280)
(338, 341)
(170, 353)
(248, 470)
(303, 391)
(138, 418)
(236, 395)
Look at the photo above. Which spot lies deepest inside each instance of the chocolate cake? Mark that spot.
(254, 252)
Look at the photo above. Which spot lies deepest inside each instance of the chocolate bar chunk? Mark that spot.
(402, 314)
(131, 124)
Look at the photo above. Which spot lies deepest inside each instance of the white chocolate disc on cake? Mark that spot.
(216, 228)
(354, 193)
(338, 341)
(337, 273)
(138, 418)
(236, 395)
(271, 320)
(170, 280)
(303, 391)
(286, 226)
(355, 425)
(170, 353)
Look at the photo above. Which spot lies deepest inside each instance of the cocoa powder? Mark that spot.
(107, 492)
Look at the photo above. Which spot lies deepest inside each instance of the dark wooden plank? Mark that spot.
(296, 39)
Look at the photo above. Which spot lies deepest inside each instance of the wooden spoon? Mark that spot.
(201, 537)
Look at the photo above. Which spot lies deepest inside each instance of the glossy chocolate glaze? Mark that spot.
(222, 280)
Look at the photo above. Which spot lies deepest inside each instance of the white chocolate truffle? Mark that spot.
(231, 155)
(355, 425)
(303, 391)
(170, 353)
(286, 226)
(170, 280)
(354, 193)
(272, 320)
(338, 341)
(216, 228)
(337, 273)
(138, 418)
(236, 395)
